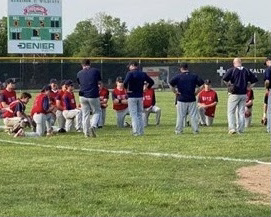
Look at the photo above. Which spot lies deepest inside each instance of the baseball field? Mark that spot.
(116, 174)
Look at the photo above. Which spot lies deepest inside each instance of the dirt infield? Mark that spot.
(257, 180)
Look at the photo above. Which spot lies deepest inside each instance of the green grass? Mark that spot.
(38, 181)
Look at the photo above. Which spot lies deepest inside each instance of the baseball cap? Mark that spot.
(63, 82)
(134, 63)
(46, 88)
(119, 79)
(184, 65)
(207, 81)
(10, 81)
(267, 59)
(69, 83)
(53, 81)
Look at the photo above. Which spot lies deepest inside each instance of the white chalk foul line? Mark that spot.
(153, 154)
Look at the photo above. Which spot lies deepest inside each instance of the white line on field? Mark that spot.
(153, 154)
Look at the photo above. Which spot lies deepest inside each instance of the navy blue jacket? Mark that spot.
(89, 79)
(134, 83)
(186, 84)
(240, 77)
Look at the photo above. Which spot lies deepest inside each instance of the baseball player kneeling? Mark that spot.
(149, 105)
(39, 113)
(71, 113)
(120, 102)
(15, 117)
(207, 101)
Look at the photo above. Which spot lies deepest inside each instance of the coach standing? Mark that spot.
(237, 79)
(184, 86)
(134, 83)
(88, 79)
(267, 79)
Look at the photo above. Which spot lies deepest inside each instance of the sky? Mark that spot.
(138, 12)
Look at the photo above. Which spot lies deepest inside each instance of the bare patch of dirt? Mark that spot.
(257, 180)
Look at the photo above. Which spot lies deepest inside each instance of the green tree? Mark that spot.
(152, 40)
(3, 36)
(113, 33)
(84, 41)
(204, 33)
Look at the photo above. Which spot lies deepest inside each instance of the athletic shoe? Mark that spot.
(19, 133)
(92, 132)
(61, 130)
(232, 132)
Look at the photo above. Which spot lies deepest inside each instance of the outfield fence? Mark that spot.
(35, 72)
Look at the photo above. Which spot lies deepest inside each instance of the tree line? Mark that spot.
(208, 32)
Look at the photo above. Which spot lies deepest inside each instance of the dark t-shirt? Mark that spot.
(88, 79)
(240, 77)
(186, 84)
(134, 83)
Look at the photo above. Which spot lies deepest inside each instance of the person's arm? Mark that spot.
(115, 98)
(58, 103)
(173, 84)
(200, 84)
(19, 111)
(252, 79)
(46, 104)
(149, 80)
(3, 101)
(227, 77)
(127, 80)
(67, 103)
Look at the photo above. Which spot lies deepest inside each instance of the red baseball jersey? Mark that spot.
(250, 96)
(69, 101)
(53, 96)
(207, 98)
(119, 94)
(104, 94)
(38, 104)
(148, 98)
(60, 98)
(16, 106)
(7, 97)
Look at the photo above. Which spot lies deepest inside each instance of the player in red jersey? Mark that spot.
(60, 107)
(8, 95)
(71, 113)
(120, 103)
(104, 96)
(39, 113)
(16, 118)
(53, 97)
(207, 101)
(149, 102)
(249, 105)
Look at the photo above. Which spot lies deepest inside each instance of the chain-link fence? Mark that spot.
(33, 73)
